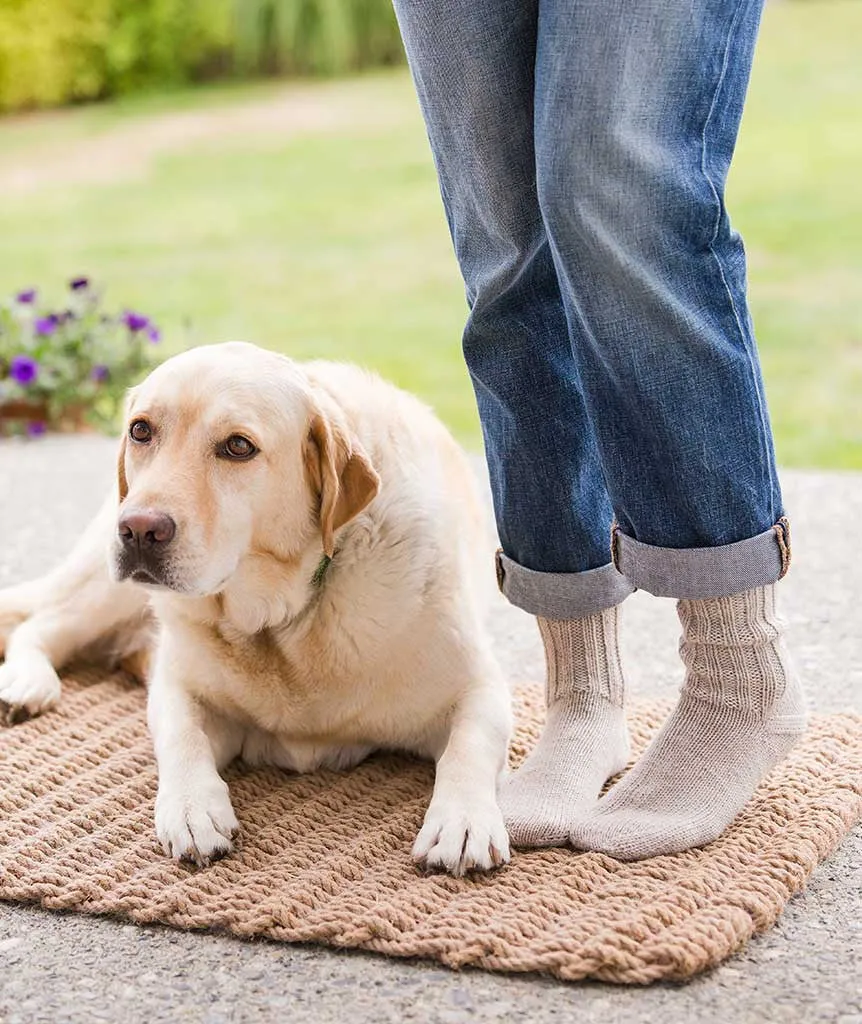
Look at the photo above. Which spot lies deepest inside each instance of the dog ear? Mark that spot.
(122, 482)
(341, 475)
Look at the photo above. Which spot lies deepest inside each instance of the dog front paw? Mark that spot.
(459, 839)
(28, 686)
(196, 824)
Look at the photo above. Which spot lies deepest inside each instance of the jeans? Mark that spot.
(582, 148)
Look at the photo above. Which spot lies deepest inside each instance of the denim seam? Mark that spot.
(706, 125)
(766, 482)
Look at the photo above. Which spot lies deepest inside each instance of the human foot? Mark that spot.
(584, 741)
(740, 711)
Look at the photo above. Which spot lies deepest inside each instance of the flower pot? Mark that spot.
(23, 410)
(73, 419)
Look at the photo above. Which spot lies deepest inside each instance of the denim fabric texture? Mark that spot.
(582, 148)
(567, 595)
(696, 573)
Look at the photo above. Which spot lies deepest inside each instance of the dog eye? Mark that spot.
(238, 447)
(141, 432)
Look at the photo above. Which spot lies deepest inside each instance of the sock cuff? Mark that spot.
(583, 655)
(749, 618)
(733, 650)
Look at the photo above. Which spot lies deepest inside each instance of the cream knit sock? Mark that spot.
(584, 741)
(740, 711)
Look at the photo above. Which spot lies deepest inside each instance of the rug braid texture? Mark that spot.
(326, 857)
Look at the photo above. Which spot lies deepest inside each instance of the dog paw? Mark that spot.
(461, 839)
(28, 686)
(196, 825)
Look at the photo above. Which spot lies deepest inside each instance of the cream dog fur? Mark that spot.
(239, 472)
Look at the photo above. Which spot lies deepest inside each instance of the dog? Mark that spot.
(289, 559)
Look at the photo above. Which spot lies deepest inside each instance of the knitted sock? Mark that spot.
(740, 711)
(584, 741)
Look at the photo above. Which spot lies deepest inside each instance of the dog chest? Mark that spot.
(279, 688)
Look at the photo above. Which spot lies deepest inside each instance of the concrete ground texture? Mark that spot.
(808, 968)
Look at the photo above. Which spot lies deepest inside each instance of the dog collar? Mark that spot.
(320, 571)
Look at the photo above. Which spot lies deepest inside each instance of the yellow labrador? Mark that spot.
(292, 548)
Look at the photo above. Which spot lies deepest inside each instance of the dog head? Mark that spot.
(229, 452)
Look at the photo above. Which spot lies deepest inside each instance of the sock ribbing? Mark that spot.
(583, 654)
(740, 711)
(584, 741)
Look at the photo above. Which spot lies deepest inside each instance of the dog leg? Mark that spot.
(18, 603)
(194, 816)
(46, 622)
(463, 828)
(55, 634)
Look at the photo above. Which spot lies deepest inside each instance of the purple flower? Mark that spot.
(78, 284)
(27, 297)
(23, 369)
(45, 325)
(36, 428)
(154, 334)
(135, 321)
(100, 373)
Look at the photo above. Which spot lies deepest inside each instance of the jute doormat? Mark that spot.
(326, 858)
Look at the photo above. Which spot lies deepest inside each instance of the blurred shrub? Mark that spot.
(60, 51)
(313, 36)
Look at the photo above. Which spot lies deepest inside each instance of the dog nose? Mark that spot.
(144, 528)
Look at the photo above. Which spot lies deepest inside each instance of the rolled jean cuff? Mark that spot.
(563, 595)
(695, 573)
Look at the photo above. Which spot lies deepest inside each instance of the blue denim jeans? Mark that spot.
(582, 148)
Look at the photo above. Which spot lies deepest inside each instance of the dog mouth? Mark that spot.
(145, 576)
(160, 571)
(147, 571)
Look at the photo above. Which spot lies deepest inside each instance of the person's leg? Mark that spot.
(637, 110)
(473, 65)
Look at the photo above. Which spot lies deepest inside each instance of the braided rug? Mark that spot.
(326, 858)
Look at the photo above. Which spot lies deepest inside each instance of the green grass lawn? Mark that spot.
(334, 243)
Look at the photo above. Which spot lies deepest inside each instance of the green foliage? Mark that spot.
(51, 50)
(157, 42)
(61, 51)
(313, 36)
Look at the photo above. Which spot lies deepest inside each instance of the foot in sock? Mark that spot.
(740, 711)
(584, 741)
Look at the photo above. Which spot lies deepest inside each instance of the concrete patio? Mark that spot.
(58, 968)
